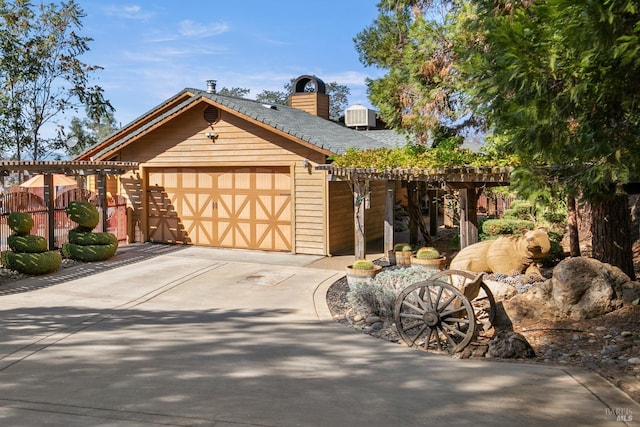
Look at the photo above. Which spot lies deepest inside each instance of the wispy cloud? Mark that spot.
(192, 29)
(134, 12)
(189, 30)
(351, 78)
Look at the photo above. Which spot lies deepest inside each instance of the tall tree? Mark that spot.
(409, 39)
(86, 132)
(41, 75)
(238, 92)
(558, 82)
(338, 97)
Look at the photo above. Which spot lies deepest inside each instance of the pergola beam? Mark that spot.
(72, 167)
(469, 181)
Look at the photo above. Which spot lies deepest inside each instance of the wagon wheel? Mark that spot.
(433, 315)
(484, 304)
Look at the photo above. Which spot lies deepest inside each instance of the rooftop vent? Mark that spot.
(211, 115)
(211, 86)
(358, 116)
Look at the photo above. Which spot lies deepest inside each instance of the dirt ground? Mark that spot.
(604, 344)
(608, 345)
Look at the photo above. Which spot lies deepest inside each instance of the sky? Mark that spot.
(151, 50)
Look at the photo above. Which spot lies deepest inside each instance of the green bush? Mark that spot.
(521, 209)
(20, 222)
(555, 218)
(30, 244)
(84, 213)
(427, 253)
(495, 227)
(362, 264)
(88, 238)
(89, 253)
(31, 263)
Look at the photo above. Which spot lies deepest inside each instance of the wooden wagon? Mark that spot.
(444, 312)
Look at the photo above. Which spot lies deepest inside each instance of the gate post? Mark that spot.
(49, 200)
(101, 182)
(389, 202)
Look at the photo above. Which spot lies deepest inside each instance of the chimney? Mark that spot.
(316, 102)
(211, 86)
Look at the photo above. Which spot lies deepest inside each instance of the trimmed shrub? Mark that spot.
(20, 222)
(84, 245)
(362, 264)
(29, 244)
(89, 253)
(84, 213)
(31, 263)
(521, 209)
(494, 227)
(428, 253)
(88, 238)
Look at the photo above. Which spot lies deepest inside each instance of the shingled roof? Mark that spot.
(329, 136)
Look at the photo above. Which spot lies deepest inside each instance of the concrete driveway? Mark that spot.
(188, 336)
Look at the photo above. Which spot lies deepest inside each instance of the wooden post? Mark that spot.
(389, 202)
(433, 212)
(413, 208)
(101, 182)
(468, 216)
(359, 194)
(49, 200)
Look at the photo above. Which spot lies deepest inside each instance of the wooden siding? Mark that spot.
(310, 210)
(182, 143)
(311, 102)
(341, 232)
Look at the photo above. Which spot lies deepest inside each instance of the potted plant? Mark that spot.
(429, 258)
(403, 253)
(360, 271)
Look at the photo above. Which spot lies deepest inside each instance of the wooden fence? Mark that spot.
(25, 200)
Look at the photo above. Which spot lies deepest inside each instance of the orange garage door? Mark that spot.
(246, 208)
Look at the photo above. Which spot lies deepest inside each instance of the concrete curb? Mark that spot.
(320, 297)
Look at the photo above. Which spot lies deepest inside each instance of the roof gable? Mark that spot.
(326, 136)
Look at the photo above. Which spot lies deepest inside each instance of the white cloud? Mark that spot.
(134, 12)
(189, 29)
(349, 78)
(192, 29)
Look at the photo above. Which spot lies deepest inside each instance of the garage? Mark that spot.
(236, 207)
(223, 171)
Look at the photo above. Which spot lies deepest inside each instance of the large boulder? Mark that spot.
(536, 303)
(507, 344)
(581, 288)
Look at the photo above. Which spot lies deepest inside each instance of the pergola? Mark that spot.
(467, 181)
(71, 168)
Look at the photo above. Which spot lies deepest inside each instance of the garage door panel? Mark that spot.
(230, 207)
(167, 230)
(243, 208)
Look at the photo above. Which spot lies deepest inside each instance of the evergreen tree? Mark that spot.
(558, 84)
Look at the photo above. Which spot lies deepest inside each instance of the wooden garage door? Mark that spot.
(229, 207)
